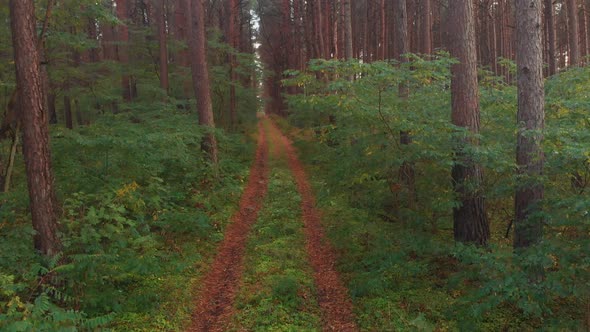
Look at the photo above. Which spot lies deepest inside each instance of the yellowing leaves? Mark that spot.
(127, 189)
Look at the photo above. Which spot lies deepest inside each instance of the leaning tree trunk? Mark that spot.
(34, 120)
(531, 120)
(470, 221)
(200, 74)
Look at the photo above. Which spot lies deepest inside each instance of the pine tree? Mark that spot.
(33, 116)
(531, 121)
(470, 220)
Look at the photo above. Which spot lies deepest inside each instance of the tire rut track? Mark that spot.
(219, 287)
(333, 298)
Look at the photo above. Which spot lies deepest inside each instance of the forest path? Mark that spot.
(289, 235)
(219, 286)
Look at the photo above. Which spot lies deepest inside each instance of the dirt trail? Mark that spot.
(337, 310)
(219, 286)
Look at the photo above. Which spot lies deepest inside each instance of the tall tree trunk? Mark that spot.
(68, 112)
(93, 53)
(37, 153)
(574, 32)
(232, 40)
(79, 117)
(51, 100)
(531, 121)
(347, 7)
(383, 28)
(583, 30)
(320, 29)
(426, 27)
(550, 26)
(108, 42)
(587, 13)
(180, 32)
(406, 171)
(163, 43)
(200, 73)
(470, 220)
(122, 34)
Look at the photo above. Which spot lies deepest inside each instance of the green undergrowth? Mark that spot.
(401, 275)
(402, 265)
(277, 292)
(141, 212)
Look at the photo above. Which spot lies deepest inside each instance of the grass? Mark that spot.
(177, 286)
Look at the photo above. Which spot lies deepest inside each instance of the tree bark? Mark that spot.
(347, 7)
(383, 37)
(68, 112)
(51, 100)
(200, 74)
(320, 30)
(426, 27)
(470, 222)
(10, 167)
(36, 148)
(232, 39)
(550, 26)
(574, 32)
(163, 43)
(583, 30)
(122, 34)
(406, 171)
(531, 120)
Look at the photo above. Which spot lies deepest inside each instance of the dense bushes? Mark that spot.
(140, 207)
(357, 125)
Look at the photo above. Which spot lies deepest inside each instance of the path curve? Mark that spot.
(220, 285)
(333, 298)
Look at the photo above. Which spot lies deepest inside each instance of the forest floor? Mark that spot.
(274, 269)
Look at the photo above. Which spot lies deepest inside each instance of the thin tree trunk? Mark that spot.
(406, 171)
(583, 30)
(549, 22)
(383, 37)
(470, 220)
(36, 147)
(426, 27)
(494, 46)
(122, 52)
(200, 74)
(348, 29)
(11, 158)
(231, 35)
(587, 13)
(51, 100)
(68, 112)
(163, 43)
(574, 32)
(79, 118)
(93, 53)
(320, 29)
(531, 120)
